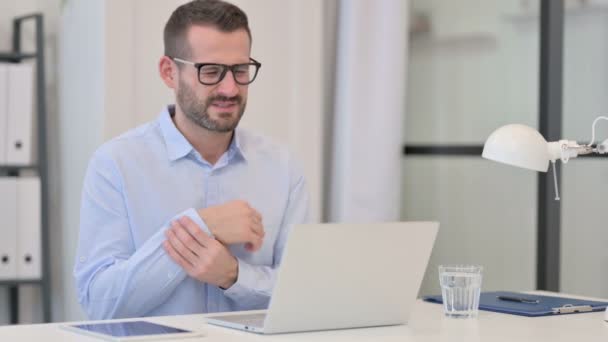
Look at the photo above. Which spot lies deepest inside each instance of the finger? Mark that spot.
(257, 229)
(254, 221)
(195, 231)
(179, 246)
(182, 242)
(257, 216)
(244, 204)
(254, 244)
(186, 238)
(175, 256)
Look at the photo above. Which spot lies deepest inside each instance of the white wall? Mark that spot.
(82, 108)
(30, 310)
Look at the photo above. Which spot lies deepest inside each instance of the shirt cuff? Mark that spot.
(244, 282)
(194, 216)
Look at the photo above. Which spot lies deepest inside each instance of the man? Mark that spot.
(188, 214)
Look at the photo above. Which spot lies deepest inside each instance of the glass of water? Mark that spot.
(460, 289)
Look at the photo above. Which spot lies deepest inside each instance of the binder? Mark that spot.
(530, 305)
(19, 144)
(3, 111)
(8, 228)
(29, 240)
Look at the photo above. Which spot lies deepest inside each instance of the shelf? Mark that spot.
(19, 282)
(17, 167)
(16, 57)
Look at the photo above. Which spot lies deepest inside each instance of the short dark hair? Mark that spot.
(219, 14)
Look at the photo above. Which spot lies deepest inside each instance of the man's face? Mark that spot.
(218, 107)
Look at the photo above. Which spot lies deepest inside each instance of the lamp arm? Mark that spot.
(593, 128)
(566, 149)
(602, 148)
(555, 180)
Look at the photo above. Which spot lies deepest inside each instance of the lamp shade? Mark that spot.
(518, 145)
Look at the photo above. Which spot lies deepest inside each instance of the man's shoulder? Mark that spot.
(136, 140)
(269, 152)
(256, 145)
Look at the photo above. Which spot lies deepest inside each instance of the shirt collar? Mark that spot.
(178, 146)
(237, 142)
(235, 148)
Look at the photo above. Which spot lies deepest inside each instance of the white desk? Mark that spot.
(426, 324)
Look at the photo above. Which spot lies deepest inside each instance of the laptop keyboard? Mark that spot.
(253, 320)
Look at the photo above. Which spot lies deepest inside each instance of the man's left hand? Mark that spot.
(201, 256)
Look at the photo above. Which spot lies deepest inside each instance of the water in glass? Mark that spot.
(460, 290)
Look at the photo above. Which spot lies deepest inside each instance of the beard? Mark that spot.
(197, 110)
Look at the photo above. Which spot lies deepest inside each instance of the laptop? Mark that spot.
(336, 276)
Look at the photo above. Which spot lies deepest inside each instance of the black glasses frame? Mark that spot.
(224, 68)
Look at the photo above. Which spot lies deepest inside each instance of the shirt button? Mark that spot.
(169, 275)
(83, 259)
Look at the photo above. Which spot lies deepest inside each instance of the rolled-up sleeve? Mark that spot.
(113, 278)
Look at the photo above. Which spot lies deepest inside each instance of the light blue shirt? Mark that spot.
(139, 182)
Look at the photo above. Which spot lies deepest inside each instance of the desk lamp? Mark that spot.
(523, 146)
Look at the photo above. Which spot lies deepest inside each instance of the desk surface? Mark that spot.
(426, 324)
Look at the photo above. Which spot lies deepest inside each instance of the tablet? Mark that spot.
(131, 331)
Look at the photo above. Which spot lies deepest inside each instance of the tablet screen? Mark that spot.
(129, 329)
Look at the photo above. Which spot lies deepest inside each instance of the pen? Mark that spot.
(519, 299)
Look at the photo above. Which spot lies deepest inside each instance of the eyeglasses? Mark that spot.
(214, 73)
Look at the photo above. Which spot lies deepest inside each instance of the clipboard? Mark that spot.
(531, 305)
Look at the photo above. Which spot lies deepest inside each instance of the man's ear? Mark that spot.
(168, 71)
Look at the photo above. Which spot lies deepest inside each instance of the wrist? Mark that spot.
(232, 276)
(204, 215)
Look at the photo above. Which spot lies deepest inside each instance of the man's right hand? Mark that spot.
(235, 222)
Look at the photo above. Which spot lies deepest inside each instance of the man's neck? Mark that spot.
(210, 145)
